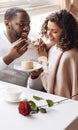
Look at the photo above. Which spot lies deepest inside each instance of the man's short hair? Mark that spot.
(12, 12)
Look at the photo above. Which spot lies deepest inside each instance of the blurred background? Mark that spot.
(38, 10)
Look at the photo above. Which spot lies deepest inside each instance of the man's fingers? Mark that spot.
(20, 43)
(22, 50)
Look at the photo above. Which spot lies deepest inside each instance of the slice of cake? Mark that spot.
(27, 64)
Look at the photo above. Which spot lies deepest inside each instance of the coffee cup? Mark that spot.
(12, 93)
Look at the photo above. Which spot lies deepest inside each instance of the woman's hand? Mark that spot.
(40, 42)
(41, 47)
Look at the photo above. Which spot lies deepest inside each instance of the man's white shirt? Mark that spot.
(7, 73)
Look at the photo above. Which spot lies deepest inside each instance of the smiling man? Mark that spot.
(17, 26)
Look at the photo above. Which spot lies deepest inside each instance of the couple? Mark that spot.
(59, 74)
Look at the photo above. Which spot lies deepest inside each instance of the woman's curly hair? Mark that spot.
(69, 25)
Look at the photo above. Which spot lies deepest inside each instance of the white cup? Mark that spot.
(12, 93)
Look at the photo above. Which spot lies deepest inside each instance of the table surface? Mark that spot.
(63, 116)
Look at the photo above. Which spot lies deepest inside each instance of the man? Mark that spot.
(17, 22)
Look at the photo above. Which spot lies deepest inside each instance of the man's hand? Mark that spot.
(36, 73)
(19, 48)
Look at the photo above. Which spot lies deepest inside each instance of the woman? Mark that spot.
(61, 77)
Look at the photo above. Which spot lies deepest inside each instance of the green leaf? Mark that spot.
(50, 103)
(37, 98)
(32, 104)
(35, 110)
(42, 110)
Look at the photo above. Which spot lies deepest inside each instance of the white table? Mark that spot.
(63, 116)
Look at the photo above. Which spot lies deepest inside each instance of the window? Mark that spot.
(27, 2)
(32, 6)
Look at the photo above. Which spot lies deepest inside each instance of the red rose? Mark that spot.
(24, 108)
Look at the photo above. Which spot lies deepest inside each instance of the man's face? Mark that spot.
(19, 26)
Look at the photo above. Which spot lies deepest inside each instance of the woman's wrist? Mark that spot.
(43, 60)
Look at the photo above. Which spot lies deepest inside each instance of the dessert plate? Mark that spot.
(36, 66)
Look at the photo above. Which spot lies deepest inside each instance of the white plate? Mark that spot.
(35, 67)
(22, 98)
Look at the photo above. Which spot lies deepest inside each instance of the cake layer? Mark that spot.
(27, 64)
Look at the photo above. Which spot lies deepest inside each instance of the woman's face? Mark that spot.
(53, 32)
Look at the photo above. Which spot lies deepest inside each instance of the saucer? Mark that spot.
(21, 98)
